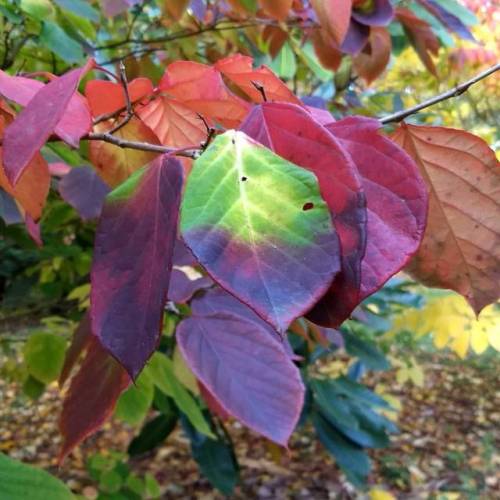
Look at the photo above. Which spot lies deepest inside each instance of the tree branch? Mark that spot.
(454, 92)
(187, 152)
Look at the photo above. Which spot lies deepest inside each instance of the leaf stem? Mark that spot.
(454, 92)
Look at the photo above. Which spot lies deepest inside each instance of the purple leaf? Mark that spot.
(243, 367)
(182, 255)
(356, 38)
(74, 124)
(182, 289)
(132, 261)
(452, 22)
(9, 211)
(31, 128)
(396, 199)
(112, 8)
(293, 134)
(84, 190)
(380, 14)
(199, 9)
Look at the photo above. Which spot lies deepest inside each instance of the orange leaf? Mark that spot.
(238, 69)
(115, 164)
(373, 59)
(421, 36)
(33, 186)
(461, 246)
(201, 88)
(278, 9)
(107, 97)
(175, 124)
(275, 37)
(334, 17)
(329, 56)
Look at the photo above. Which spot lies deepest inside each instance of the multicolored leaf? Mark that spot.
(334, 17)
(91, 397)
(370, 63)
(132, 260)
(84, 190)
(25, 136)
(115, 164)
(242, 365)
(293, 134)
(396, 199)
(259, 226)
(238, 69)
(461, 246)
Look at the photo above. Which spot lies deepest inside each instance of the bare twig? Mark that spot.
(454, 92)
(187, 152)
(261, 89)
(128, 102)
(210, 132)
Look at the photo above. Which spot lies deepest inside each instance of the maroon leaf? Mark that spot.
(293, 134)
(243, 365)
(182, 288)
(84, 190)
(132, 261)
(91, 398)
(33, 125)
(396, 199)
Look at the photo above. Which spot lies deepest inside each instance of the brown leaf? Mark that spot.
(373, 59)
(278, 9)
(461, 246)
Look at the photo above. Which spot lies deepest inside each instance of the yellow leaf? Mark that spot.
(380, 494)
(183, 373)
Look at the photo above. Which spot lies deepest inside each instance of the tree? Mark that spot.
(292, 216)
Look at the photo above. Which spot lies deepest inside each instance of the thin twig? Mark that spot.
(187, 152)
(210, 132)
(128, 102)
(261, 89)
(454, 92)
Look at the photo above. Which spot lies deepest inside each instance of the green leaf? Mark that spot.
(80, 8)
(33, 388)
(19, 481)
(133, 405)
(459, 10)
(215, 458)
(44, 356)
(284, 64)
(57, 41)
(367, 352)
(309, 56)
(162, 372)
(152, 486)
(362, 394)
(111, 481)
(38, 9)
(350, 457)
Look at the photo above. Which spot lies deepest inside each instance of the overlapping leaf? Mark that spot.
(132, 261)
(334, 16)
(374, 58)
(461, 247)
(243, 364)
(115, 164)
(396, 199)
(91, 397)
(25, 136)
(238, 69)
(259, 226)
(200, 88)
(293, 134)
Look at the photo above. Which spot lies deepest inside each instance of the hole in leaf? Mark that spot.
(308, 206)
(243, 179)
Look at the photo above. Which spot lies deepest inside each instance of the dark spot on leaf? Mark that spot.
(429, 139)
(479, 257)
(308, 206)
(243, 179)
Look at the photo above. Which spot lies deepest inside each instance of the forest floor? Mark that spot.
(448, 447)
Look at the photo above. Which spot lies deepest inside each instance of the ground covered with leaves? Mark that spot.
(447, 447)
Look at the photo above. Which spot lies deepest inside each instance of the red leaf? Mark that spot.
(396, 199)
(334, 17)
(421, 36)
(201, 88)
(91, 397)
(34, 124)
(115, 164)
(75, 123)
(278, 9)
(238, 69)
(107, 97)
(374, 58)
(175, 124)
(328, 54)
(293, 134)
(461, 247)
(132, 261)
(242, 364)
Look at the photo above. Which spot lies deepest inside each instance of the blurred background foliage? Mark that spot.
(44, 291)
